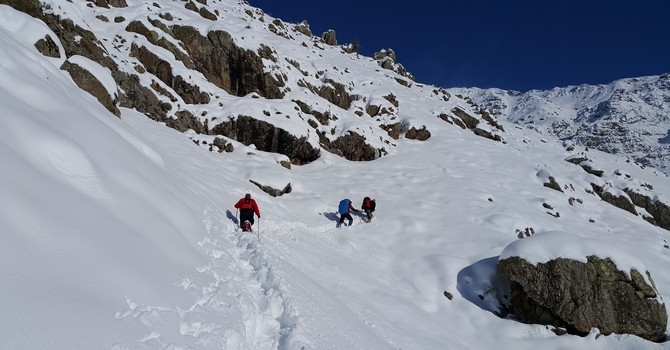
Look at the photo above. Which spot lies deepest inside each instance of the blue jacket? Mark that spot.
(344, 207)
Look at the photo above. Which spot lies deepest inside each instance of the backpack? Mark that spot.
(344, 206)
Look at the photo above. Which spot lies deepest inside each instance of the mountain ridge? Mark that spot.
(630, 116)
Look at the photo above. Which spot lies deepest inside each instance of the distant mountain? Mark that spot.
(630, 117)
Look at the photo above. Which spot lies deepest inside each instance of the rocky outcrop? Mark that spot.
(89, 83)
(620, 201)
(266, 137)
(273, 191)
(162, 69)
(238, 71)
(553, 184)
(329, 37)
(47, 47)
(352, 147)
(660, 211)
(579, 296)
(418, 134)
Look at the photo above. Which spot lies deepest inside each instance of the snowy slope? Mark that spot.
(120, 233)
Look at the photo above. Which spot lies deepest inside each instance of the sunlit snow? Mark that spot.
(120, 233)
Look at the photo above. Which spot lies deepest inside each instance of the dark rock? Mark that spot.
(238, 71)
(329, 37)
(266, 137)
(89, 83)
(418, 134)
(352, 147)
(393, 129)
(469, 121)
(618, 201)
(553, 184)
(580, 296)
(47, 47)
(272, 191)
(659, 210)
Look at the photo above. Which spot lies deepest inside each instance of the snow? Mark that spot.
(121, 233)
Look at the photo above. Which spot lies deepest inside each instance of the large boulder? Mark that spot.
(579, 296)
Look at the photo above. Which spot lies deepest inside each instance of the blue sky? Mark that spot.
(518, 45)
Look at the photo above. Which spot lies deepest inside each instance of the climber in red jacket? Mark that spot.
(247, 207)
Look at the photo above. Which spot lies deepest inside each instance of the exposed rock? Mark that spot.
(135, 95)
(372, 109)
(421, 134)
(323, 118)
(303, 27)
(352, 147)
(272, 191)
(47, 47)
(89, 83)
(489, 119)
(108, 3)
(553, 184)
(266, 137)
(159, 40)
(185, 120)
(487, 134)
(580, 296)
(392, 98)
(329, 37)
(576, 159)
(30, 7)
(191, 94)
(589, 168)
(621, 201)
(393, 129)
(223, 145)
(229, 67)
(469, 121)
(659, 210)
(336, 94)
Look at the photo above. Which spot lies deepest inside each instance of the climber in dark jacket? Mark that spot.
(368, 207)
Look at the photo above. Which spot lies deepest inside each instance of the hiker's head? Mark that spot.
(247, 196)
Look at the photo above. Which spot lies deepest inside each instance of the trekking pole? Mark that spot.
(259, 229)
(236, 220)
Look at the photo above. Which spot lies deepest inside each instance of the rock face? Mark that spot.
(580, 296)
(170, 63)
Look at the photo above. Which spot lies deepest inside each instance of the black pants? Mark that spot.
(346, 216)
(368, 212)
(246, 214)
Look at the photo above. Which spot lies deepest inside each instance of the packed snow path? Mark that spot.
(245, 279)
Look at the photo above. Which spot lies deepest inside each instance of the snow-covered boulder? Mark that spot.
(579, 284)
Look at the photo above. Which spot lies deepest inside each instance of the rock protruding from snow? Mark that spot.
(580, 296)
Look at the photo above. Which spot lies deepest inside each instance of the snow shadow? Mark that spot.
(361, 214)
(666, 139)
(332, 216)
(233, 218)
(475, 283)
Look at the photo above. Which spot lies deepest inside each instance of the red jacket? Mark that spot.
(243, 204)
